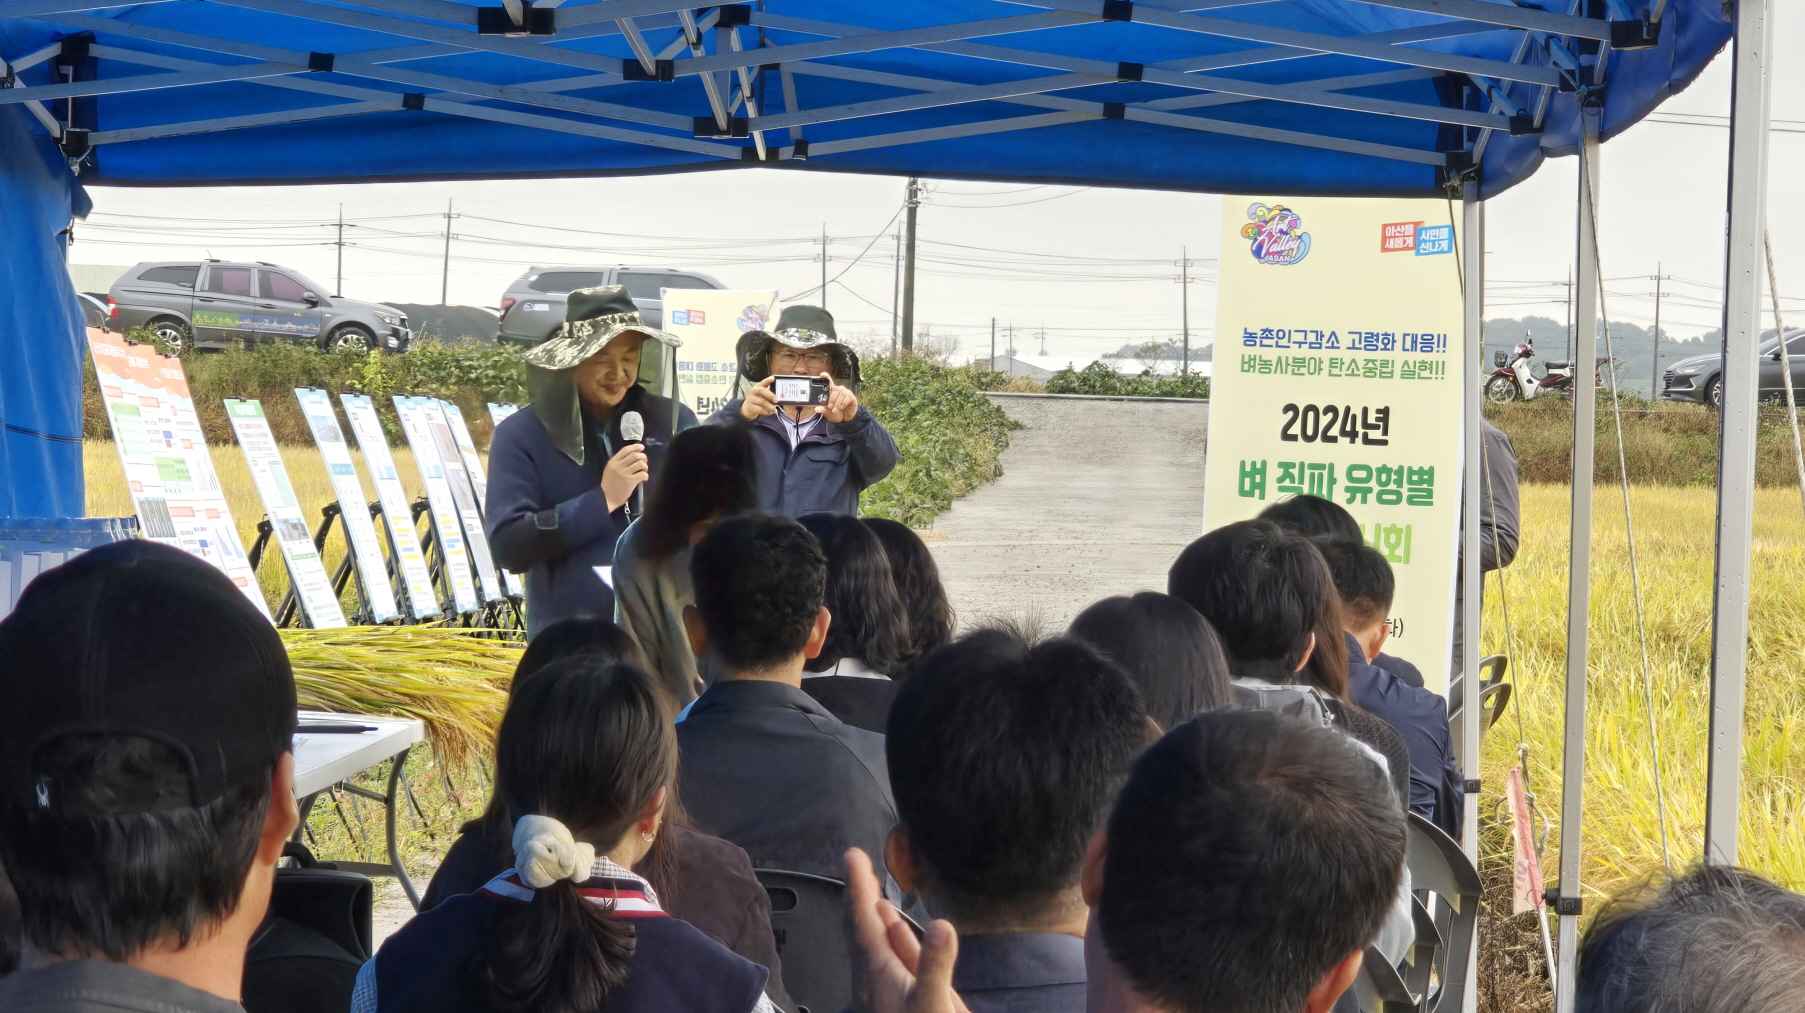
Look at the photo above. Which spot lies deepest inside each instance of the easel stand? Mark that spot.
(430, 545)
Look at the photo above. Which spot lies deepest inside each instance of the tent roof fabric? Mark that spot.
(1357, 97)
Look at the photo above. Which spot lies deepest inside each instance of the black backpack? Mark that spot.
(306, 954)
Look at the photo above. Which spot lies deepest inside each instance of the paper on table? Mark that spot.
(607, 575)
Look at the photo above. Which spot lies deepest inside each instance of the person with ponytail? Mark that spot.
(586, 760)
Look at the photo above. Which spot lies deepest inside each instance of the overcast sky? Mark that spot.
(1116, 265)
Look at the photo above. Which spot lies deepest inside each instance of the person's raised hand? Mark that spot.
(760, 400)
(901, 974)
(842, 403)
(626, 471)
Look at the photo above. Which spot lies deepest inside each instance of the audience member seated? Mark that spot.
(931, 619)
(700, 879)
(1005, 758)
(146, 782)
(586, 759)
(764, 765)
(1364, 580)
(1715, 940)
(869, 635)
(1171, 653)
(1247, 864)
(710, 473)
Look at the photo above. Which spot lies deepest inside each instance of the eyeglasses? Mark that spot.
(794, 359)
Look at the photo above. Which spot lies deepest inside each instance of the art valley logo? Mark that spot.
(1277, 233)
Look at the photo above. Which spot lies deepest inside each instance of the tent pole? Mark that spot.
(1749, 111)
(1472, 242)
(1585, 413)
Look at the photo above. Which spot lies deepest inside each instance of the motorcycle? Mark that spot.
(1514, 378)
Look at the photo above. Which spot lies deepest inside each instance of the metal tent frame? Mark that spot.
(725, 85)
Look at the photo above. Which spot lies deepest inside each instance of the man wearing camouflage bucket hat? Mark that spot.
(811, 458)
(562, 479)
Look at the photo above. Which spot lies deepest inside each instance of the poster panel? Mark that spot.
(447, 520)
(709, 322)
(463, 494)
(288, 522)
(1337, 374)
(175, 492)
(416, 578)
(354, 508)
(479, 479)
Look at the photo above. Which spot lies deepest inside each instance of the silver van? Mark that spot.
(222, 304)
(533, 305)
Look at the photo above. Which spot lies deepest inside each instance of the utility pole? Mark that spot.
(993, 346)
(445, 275)
(1654, 383)
(823, 265)
(1011, 349)
(1043, 341)
(338, 289)
(1568, 354)
(912, 201)
(1184, 287)
(895, 292)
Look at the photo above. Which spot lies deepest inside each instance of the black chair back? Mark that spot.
(814, 940)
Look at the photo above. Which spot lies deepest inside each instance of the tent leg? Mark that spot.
(1585, 413)
(1750, 109)
(1473, 242)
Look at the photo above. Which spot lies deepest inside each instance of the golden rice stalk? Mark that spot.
(453, 679)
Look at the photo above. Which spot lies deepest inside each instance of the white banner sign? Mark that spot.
(288, 523)
(167, 466)
(354, 508)
(1337, 374)
(463, 493)
(447, 522)
(479, 479)
(397, 509)
(710, 322)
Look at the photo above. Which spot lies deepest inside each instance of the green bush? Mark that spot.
(1099, 379)
(951, 436)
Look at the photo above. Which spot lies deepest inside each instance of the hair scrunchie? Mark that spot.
(545, 853)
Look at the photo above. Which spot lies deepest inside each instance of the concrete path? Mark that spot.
(1097, 498)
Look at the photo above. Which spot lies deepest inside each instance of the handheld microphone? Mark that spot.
(633, 430)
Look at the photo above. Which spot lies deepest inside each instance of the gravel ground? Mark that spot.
(1097, 498)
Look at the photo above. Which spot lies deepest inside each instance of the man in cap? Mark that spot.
(814, 458)
(563, 480)
(146, 782)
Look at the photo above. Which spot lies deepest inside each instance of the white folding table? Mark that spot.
(327, 758)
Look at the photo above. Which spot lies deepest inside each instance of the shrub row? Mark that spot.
(1097, 378)
(951, 436)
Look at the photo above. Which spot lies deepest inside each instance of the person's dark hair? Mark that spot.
(709, 472)
(1715, 940)
(1312, 516)
(1248, 855)
(587, 743)
(760, 582)
(1362, 576)
(870, 622)
(568, 638)
(96, 883)
(1171, 652)
(931, 618)
(1265, 591)
(1003, 758)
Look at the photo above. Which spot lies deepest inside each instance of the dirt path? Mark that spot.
(1097, 497)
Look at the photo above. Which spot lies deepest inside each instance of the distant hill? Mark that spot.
(448, 324)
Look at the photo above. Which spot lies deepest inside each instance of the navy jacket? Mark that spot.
(1021, 973)
(1399, 667)
(826, 472)
(1421, 719)
(546, 516)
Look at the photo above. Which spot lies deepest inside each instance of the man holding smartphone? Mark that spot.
(818, 447)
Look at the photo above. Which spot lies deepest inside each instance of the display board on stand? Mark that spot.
(479, 480)
(447, 522)
(1339, 343)
(709, 322)
(168, 468)
(463, 495)
(306, 571)
(499, 413)
(397, 509)
(353, 507)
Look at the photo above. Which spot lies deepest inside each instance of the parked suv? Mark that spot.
(1701, 378)
(534, 305)
(220, 304)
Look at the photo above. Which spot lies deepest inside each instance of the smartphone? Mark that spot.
(800, 390)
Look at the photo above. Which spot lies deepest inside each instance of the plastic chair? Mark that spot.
(1494, 691)
(1438, 866)
(814, 941)
(1380, 988)
(1424, 951)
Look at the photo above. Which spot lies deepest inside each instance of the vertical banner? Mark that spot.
(168, 468)
(354, 509)
(447, 522)
(479, 478)
(463, 493)
(1337, 374)
(416, 579)
(288, 523)
(709, 321)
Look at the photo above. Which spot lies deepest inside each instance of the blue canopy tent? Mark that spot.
(1456, 98)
